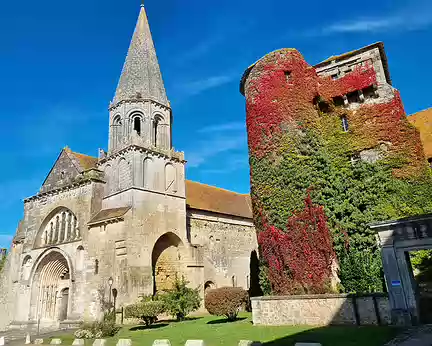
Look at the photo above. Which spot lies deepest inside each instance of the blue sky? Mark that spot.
(60, 62)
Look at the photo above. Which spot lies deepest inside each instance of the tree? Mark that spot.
(181, 300)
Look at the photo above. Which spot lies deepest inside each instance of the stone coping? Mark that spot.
(320, 296)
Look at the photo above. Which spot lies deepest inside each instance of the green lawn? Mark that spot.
(214, 331)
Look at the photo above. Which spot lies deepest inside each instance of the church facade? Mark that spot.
(108, 229)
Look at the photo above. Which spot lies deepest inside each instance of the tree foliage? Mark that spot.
(181, 300)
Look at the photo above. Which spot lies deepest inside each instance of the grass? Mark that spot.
(217, 332)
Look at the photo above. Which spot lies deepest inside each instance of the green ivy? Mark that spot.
(353, 195)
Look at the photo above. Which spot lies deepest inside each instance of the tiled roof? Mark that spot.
(85, 161)
(109, 214)
(423, 122)
(214, 199)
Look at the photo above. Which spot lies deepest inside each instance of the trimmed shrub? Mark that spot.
(225, 301)
(181, 300)
(147, 311)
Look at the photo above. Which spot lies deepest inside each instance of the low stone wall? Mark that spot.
(324, 309)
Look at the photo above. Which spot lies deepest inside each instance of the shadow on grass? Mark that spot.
(225, 320)
(339, 336)
(185, 320)
(153, 326)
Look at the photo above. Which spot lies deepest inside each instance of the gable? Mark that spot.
(63, 173)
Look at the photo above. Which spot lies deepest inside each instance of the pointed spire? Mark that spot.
(141, 76)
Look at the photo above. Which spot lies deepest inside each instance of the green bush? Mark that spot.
(225, 301)
(181, 300)
(146, 310)
(99, 329)
(361, 271)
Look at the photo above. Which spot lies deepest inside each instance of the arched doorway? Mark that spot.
(209, 285)
(167, 258)
(50, 288)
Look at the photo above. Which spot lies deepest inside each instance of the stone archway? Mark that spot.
(50, 288)
(167, 259)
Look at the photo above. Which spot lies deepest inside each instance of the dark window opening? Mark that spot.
(288, 76)
(155, 132)
(338, 101)
(369, 92)
(62, 175)
(345, 126)
(353, 97)
(137, 125)
(430, 162)
(334, 76)
(96, 269)
(321, 104)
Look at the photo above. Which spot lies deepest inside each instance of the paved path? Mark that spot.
(421, 336)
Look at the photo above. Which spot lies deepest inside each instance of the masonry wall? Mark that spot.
(227, 243)
(339, 309)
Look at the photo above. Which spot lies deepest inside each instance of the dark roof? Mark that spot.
(213, 199)
(109, 214)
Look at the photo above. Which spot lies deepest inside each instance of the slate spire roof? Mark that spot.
(141, 76)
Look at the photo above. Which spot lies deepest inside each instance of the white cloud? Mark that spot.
(224, 127)
(415, 17)
(199, 86)
(205, 150)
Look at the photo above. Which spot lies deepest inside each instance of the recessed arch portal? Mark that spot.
(50, 287)
(167, 258)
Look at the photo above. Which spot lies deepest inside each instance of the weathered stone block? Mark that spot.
(195, 343)
(249, 343)
(124, 342)
(37, 342)
(161, 343)
(78, 342)
(27, 340)
(99, 342)
(55, 342)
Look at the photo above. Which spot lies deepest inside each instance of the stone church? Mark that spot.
(109, 229)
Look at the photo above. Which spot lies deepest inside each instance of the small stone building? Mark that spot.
(109, 229)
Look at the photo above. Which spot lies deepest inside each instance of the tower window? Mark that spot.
(345, 125)
(96, 268)
(137, 125)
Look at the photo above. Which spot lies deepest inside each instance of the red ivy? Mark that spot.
(300, 259)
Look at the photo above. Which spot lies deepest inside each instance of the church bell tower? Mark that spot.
(140, 155)
(140, 112)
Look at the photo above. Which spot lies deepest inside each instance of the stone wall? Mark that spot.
(321, 310)
(227, 243)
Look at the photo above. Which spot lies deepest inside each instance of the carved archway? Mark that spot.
(51, 279)
(167, 259)
(60, 226)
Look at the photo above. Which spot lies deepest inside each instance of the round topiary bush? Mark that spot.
(147, 311)
(225, 301)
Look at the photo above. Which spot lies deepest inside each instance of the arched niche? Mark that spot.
(60, 226)
(167, 259)
(170, 178)
(26, 267)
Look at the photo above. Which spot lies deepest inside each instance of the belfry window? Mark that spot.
(137, 125)
(345, 124)
(155, 131)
